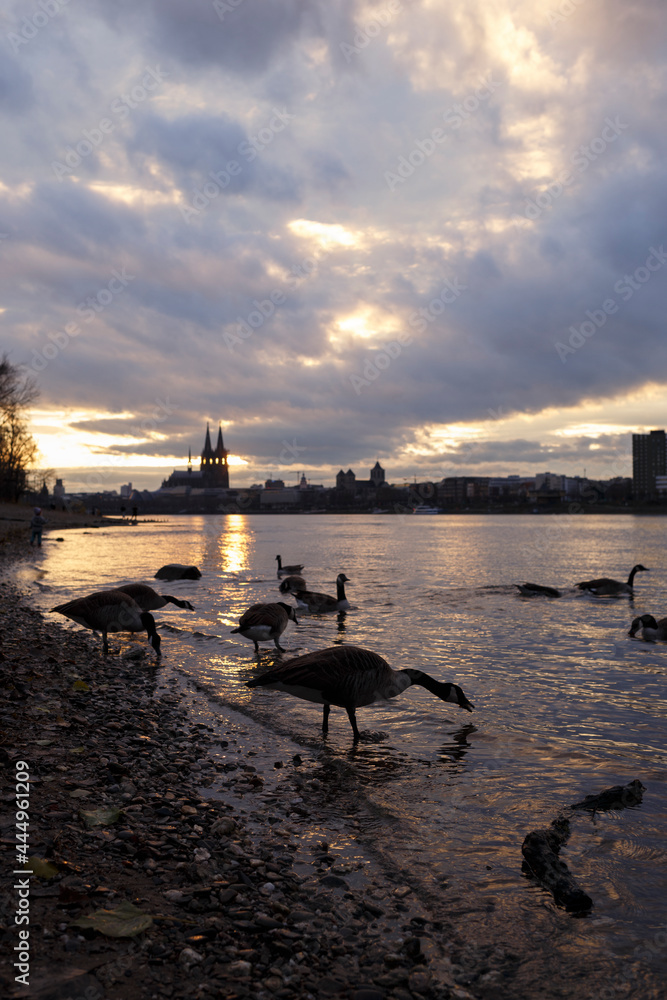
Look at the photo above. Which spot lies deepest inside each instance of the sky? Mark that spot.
(432, 234)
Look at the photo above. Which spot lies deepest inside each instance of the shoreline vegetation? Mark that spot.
(163, 863)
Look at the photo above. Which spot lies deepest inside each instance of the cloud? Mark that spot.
(304, 296)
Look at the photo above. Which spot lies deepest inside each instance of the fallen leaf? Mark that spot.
(41, 868)
(125, 920)
(103, 816)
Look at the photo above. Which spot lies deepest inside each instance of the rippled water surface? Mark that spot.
(566, 704)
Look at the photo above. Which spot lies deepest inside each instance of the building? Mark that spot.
(649, 459)
(348, 480)
(213, 468)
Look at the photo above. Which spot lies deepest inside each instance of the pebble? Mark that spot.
(248, 914)
(190, 957)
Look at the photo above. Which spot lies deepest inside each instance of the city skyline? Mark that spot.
(422, 234)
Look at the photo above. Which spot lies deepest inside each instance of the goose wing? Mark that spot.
(337, 673)
(104, 610)
(603, 581)
(145, 596)
(262, 614)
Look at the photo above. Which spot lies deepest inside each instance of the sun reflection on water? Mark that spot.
(235, 544)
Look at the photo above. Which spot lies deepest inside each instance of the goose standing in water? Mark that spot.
(286, 570)
(315, 602)
(350, 677)
(291, 584)
(266, 622)
(149, 599)
(110, 611)
(532, 589)
(604, 587)
(651, 629)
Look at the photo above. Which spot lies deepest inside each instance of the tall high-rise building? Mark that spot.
(649, 459)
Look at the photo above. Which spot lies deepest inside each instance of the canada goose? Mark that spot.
(110, 611)
(286, 570)
(291, 584)
(149, 600)
(323, 602)
(604, 587)
(350, 677)
(177, 571)
(532, 589)
(263, 622)
(651, 629)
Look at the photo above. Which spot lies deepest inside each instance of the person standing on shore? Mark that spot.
(36, 526)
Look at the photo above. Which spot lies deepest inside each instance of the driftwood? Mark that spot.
(540, 851)
(617, 797)
(540, 848)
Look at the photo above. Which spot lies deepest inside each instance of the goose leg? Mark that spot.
(325, 718)
(353, 720)
(278, 646)
(256, 647)
(105, 643)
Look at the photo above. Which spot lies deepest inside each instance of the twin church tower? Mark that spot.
(213, 468)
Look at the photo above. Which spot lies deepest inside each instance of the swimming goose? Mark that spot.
(651, 629)
(149, 600)
(531, 589)
(350, 677)
(604, 587)
(323, 602)
(285, 570)
(263, 622)
(291, 584)
(110, 611)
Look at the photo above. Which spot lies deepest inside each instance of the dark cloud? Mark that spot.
(456, 294)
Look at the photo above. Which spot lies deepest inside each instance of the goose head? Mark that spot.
(643, 621)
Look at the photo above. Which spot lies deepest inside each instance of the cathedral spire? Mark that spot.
(219, 448)
(208, 450)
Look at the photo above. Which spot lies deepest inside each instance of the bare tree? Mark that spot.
(18, 450)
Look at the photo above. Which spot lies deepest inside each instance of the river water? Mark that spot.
(566, 704)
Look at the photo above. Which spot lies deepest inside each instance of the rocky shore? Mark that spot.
(164, 863)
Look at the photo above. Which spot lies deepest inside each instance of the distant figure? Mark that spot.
(36, 525)
(122, 511)
(135, 513)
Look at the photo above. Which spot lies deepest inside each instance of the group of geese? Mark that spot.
(123, 609)
(650, 629)
(346, 676)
